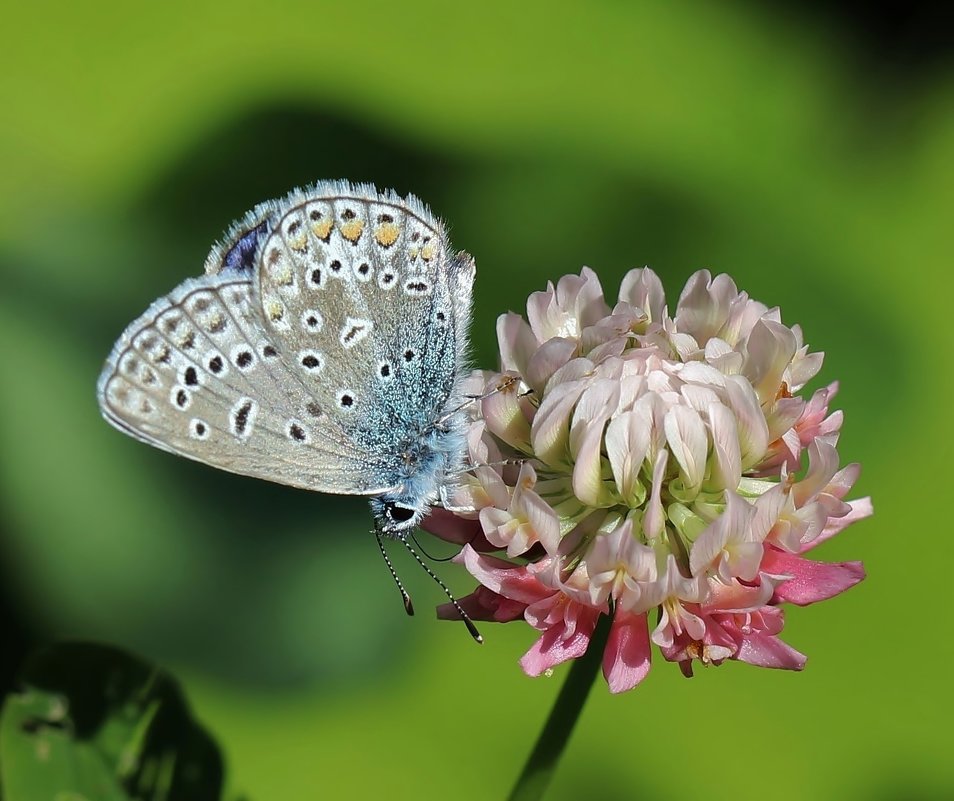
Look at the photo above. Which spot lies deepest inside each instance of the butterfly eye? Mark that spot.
(400, 514)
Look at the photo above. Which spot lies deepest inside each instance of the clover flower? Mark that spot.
(659, 469)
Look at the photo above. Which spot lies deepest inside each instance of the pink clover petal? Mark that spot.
(735, 596)
(758, 644)
(623, 324)
(678, 610)
(451, 527)
(713, 646)
(860, 509)
(607, 350)
(804, 367)
(555, 647)
(806, 581)
(482, 489)
(619, 565)
(719, 354)
(744, 315)
(627, 657)
(484, 604)
(542, 520)
(727, 545)
(782, 415)
(480, 442)
(822, 466)
(515, 582)
(589, 302)
(843, 480)
(526, 521)
(573, 372)
(813, 421)
(564, 311)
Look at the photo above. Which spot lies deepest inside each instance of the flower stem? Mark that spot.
(545, 756)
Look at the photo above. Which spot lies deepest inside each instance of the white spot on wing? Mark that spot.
(353, 331)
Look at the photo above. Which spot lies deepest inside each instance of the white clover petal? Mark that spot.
(550, 431)
(704, 305)
(516, 341)
(768, 351)
(726, 470)
(544, 316)
(654, 519)
(546, 360)
(598, 401)
(504, 416)
(627, 443)
(753, 430)
(688, 443)
(589, 305)
(651, 410)
(543, 520)
(711, 546)
(643, 289)
(587, 471)
(700, 399)
(822, 466)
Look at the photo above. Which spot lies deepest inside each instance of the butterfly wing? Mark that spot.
(328, 331)
(364, 299)
(195, 375)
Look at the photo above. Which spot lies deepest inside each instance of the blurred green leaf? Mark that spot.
(92, 722)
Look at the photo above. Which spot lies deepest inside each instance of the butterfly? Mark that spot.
(323, 348)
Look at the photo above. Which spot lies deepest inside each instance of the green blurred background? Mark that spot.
(808, 152)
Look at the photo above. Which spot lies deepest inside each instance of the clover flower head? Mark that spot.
(662, 469)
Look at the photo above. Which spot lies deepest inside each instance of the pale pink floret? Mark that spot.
(619, 566)
(566, 310)
(525, 521)
(646, 464)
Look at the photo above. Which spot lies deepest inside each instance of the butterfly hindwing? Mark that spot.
(195, 375)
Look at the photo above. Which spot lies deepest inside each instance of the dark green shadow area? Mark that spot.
(92, 722)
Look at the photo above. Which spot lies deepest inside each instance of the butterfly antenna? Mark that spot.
(408, 606)
(460, 610)
(426, 554)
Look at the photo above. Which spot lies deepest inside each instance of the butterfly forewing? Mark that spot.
(357, 291)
